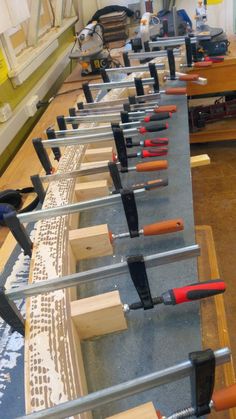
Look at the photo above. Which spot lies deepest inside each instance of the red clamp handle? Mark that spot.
(156, 142)
(158, 116)
(152, 166)
(189, 77)
(154, 152)
(197, 291)
(176, 91)
(165, 108)
(225, 398)
(201, 64)
(153, 127)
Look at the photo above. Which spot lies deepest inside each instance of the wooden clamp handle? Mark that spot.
(200, 64)
(224, 399)
(176, 91)
(189, 77)
(163, 227)
(167, 108)
(151, 166)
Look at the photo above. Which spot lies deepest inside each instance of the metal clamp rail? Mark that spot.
(168, 42)
(43, 214)
(150, 54)
(118, 102)
(119, 84)
(125, 389)
(98, 274)
(133, 69)
(15, 221)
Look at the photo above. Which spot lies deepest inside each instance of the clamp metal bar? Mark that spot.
(83, 139)
(168, 42)
(100, 168)
(124, 390)
(119, 84)
(150, 54)
(33, 216)
(105, 117)
(103, 272)
(121, 101)
(133, 69)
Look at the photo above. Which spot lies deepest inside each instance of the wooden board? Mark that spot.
(146, 411)
(214, 323)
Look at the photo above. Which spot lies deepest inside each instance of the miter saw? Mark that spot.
(89, 49)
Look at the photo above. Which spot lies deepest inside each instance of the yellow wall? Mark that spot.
(14, 95)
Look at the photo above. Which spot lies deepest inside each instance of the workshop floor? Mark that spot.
(214, 193)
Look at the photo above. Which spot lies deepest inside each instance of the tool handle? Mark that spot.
(152, 127)
(165, 108)
(154, 184)
(214, 59)
(225, 398)
(189, 77)
(156, 142)
(158, 116)
(151, 166)
(176, 91)
(197, 291)
(154, 152)
(151, 184)
(163, 227)
(200, 64)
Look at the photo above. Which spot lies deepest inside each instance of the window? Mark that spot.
(30, 30)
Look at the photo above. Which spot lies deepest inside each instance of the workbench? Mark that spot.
(220, 78)
(174, 201)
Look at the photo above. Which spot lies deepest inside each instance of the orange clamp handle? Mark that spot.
(167, 108)
(164, 227)
(189, 77)
(200, 64)
(151, 166)
(224, 399)
(176, 91)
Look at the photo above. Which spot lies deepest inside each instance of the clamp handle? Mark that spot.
(151, 166)
(200, 64)
(156, 142)
(163, 227)
(189, 77)
(158, 116)
(165, 108)
(153, 127)
(154, 152)
(225, 398)
(176, 91)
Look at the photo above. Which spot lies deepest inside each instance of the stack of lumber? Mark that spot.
(115, 26)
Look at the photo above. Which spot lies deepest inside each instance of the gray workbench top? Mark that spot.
(163, 336)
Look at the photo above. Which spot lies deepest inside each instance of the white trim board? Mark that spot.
(9, 129)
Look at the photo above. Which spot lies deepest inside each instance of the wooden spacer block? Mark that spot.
(201, 160)
(97, 154)
(74, 218)
(91, 190)
(97, 176)
(144, 411)
(90, 242)
(98, 315)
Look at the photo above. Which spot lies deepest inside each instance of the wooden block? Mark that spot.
(74, 218)
(201, 160)
(98, 315)
(101, 144)
(90, 242)
(91, 190)
(97, 176)
(144, 411)
(97, 154)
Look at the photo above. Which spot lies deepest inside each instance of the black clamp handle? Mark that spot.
(115, 175)
(202, 380)
(131, 213)
(120, 147)
(139, 277)
(171, 61)
(56, 150)
(72, 113)
(188, 47)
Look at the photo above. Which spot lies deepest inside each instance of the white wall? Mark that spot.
(218, 16)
